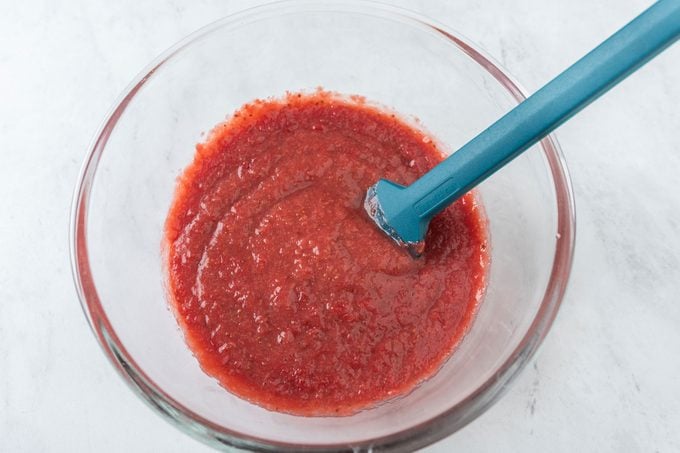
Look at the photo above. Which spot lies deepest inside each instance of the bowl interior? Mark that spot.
(397, 61)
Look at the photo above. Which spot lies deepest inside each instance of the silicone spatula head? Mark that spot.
(384, 204)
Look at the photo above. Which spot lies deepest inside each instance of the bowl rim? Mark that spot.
(418, 436)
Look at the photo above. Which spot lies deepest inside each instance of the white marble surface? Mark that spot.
(607, 377)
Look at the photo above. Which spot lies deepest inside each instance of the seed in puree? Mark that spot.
(287, 293)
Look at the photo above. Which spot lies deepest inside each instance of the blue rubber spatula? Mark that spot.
(404, 213)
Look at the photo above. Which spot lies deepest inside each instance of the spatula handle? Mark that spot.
(538, 115)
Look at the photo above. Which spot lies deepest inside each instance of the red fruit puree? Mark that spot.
(286, 291)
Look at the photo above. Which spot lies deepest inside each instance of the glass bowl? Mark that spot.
(390, 56)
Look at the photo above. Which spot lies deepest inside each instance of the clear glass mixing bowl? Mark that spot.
(393, 57)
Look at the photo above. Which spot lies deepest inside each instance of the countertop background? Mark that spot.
(606, 378)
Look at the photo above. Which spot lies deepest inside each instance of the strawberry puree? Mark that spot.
(285, 290)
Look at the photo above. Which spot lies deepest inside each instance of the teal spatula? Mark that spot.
(404, 213)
